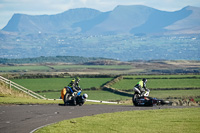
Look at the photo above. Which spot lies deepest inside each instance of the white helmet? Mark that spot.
(85, 96)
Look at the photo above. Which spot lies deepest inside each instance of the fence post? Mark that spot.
(10, 84)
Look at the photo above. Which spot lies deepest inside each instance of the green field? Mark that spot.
(23, 68)
(162, 76)
(112, 67)
(51, 87)
(59, 83)
(46, 68)
(185, 120)
(117, 67)
(160, 81)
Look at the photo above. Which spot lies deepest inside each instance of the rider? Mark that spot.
(140, 87)
(74, 85)
(75, 88)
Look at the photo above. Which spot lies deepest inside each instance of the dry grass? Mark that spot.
(11, 96)
(5, 90)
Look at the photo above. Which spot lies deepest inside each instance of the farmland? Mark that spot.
(176, 79)
(161, 82)
(56, 84)
(161, 86)
(105, 67)
(49, 80)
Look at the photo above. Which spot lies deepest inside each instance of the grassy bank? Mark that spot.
(156, 121)
(11, 96)
(20, 100)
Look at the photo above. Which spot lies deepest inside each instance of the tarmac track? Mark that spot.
(27, 118)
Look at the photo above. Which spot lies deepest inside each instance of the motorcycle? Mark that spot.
(147, 101)
(71, 98)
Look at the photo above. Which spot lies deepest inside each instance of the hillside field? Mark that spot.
(161, 82)
(162, 86)
(109, 67)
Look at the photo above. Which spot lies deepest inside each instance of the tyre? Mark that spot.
(74, 101)
(134, 99)
(66, 98)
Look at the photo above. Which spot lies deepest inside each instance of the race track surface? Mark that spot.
(27, 118)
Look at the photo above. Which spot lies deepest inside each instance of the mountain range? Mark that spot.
(126, 33)
(135, 19)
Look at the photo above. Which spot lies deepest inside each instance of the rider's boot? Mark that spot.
(74, 100)
(142, 94)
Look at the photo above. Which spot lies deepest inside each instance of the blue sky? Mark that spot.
(40, 7)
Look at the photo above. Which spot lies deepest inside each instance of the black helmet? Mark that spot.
(144, 80)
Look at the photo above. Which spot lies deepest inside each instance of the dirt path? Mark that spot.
(26, 118)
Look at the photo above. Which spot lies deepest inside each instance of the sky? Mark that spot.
(49, 7)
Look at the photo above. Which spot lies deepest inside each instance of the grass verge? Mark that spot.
(11, 96)
(156, 121)
(21, 100)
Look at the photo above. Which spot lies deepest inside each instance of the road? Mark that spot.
(27, 118)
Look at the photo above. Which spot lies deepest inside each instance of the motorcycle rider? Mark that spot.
(74, 85)
(140, 87)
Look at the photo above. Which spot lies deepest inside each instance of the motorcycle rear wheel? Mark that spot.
(66, 99)
(134, 99)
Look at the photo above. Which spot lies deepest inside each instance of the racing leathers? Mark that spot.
(73, 89)
(74, 86)
(140, 87)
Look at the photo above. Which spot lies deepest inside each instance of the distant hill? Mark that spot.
(56, 59)
(123, 19)
(50, 23)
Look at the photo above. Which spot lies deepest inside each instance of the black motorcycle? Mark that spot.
(148, 101)
(71, 98)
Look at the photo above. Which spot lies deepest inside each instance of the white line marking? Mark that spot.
(41, 127)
